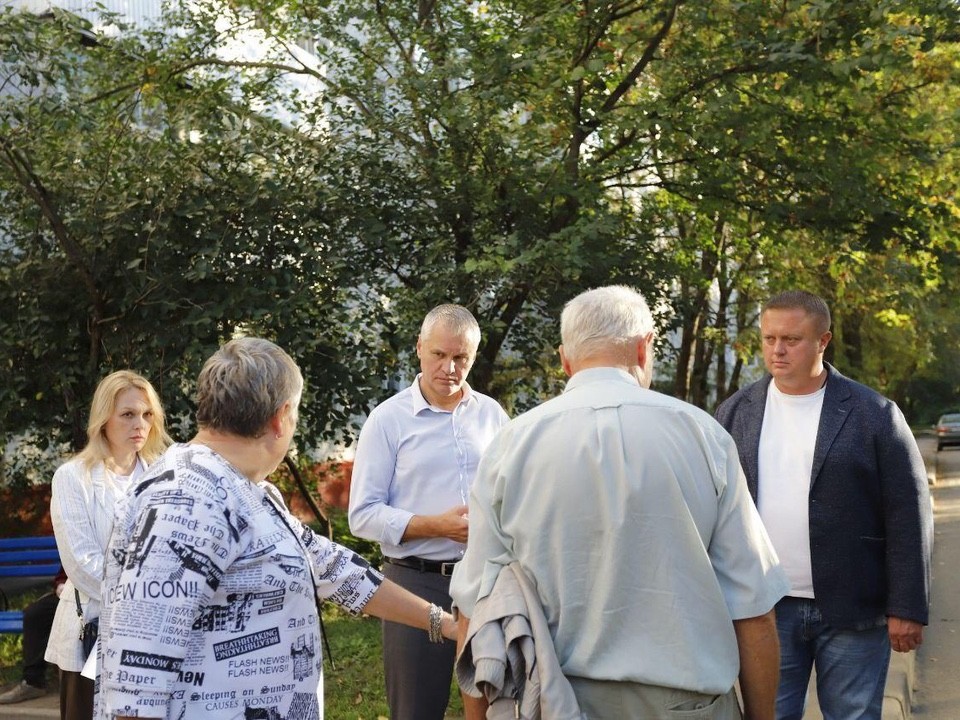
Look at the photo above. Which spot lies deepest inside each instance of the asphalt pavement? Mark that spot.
(937, 687)
(44, 707)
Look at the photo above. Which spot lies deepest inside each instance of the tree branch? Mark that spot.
(34, 187)
(624, 86)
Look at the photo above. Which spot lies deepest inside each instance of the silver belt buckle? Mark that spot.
(446, 568)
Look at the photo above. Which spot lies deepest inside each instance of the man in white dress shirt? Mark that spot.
(416, 459)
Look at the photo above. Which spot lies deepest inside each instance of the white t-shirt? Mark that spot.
(787, 442)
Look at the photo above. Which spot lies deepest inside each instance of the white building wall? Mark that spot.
(137, 12)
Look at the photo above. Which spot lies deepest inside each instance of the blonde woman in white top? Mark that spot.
(125, 434)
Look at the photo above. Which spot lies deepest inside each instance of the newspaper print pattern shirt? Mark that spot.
(208, 602)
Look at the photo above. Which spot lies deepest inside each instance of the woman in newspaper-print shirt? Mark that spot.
(211, 587)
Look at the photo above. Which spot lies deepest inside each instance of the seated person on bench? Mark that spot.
(37, 620)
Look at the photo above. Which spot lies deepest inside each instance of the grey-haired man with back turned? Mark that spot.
(628, 512)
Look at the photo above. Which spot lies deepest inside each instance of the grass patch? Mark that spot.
(354, 690)
(11, 650)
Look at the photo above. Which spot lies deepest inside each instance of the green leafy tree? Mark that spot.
(504, 155)
(508, 154)
(147, 218)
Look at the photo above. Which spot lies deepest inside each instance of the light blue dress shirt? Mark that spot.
(630, 512)
(416, 459)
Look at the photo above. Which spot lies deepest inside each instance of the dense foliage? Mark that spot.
(160, 194)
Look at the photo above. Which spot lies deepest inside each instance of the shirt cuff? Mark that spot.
(396, 526)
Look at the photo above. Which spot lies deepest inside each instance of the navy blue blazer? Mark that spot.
(870, 513)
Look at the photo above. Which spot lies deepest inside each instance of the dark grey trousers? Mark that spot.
(37, 621)
(417, 672)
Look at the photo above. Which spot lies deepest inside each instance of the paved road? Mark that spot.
(937, 686)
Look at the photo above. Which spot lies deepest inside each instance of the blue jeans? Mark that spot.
(851, 664)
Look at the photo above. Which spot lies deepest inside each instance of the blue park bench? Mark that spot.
(25, 557)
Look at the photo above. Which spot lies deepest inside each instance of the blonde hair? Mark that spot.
(101, 408)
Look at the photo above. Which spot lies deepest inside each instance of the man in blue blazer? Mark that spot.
(842, 490)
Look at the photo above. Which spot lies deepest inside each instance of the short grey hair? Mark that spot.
(455, 318)
(605, 317)
(244, 384)
(813, 305)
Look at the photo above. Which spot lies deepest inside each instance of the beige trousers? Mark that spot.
(604, 700)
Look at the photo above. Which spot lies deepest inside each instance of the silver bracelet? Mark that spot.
(435, 631)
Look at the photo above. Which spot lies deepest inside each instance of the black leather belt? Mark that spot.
(445, 568)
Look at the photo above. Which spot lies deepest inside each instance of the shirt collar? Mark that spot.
(600, 374)
(420, 403)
